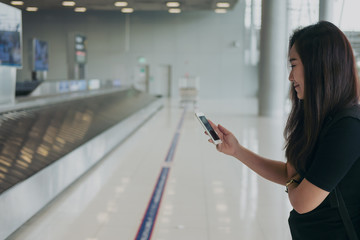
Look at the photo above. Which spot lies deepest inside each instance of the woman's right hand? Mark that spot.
(230, 144)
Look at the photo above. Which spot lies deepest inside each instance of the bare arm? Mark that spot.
(275, 171)
(304, 197)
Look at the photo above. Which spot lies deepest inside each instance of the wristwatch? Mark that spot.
(291, 181)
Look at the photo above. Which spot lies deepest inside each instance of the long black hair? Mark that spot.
(330, 84)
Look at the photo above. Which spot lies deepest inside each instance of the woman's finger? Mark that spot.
(224, 130)
(213, 125)
(218, 147)
(217, 130)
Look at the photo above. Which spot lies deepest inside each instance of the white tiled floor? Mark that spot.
(208, 196)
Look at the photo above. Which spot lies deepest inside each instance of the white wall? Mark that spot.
(199, 43)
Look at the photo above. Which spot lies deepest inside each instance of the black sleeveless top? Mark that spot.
(336, 162)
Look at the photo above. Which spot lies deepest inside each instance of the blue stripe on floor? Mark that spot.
(148, 222)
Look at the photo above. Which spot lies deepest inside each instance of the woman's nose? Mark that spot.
(291, 77)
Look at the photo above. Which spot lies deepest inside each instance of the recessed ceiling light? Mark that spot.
(31, 9)
(219, 10)
(173, 4)
(127, 10)
(120, 4)
(68, 3)
(17, 3)
(222, 4)
(174, 10)
(80, 9)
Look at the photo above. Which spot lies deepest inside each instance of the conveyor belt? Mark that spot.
(32, 139)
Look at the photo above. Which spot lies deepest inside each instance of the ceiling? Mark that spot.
(137, 5)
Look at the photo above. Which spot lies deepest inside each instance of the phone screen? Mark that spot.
(209, 128)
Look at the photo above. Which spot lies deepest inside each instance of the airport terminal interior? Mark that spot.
(99, 138)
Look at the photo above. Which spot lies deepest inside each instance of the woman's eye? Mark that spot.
(292, 66)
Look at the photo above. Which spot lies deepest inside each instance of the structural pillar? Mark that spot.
(273, 58)
(326, 10)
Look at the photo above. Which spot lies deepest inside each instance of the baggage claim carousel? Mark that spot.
(46, 147)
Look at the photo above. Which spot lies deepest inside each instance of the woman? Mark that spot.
(322, 137)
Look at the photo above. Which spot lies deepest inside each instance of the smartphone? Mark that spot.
(206, 125)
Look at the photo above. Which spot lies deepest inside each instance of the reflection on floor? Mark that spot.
(208, 196)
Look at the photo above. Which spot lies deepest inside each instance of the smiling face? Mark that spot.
(296, 76)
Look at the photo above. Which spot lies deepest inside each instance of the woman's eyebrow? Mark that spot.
(292, 59)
